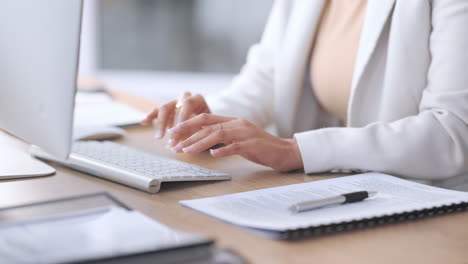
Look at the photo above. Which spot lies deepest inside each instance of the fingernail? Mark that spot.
(158, 134)
(188, 149)
(214, 151)
(177, 148)
(171, 143)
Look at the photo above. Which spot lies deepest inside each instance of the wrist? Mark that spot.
(295, 155)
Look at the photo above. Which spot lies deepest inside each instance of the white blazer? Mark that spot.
(408, 109)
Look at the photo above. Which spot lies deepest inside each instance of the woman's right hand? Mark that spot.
(175, 112)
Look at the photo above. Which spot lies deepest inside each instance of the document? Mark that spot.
(93, 234)
(267, 209)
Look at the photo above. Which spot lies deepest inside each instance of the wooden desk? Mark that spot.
(441, 239)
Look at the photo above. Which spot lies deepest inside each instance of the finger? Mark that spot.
(170, 123)
(224, 135)
(188, 128)
(170, 120)
(194, 104)
(191, 126)
(150, 117)
(164, 113)
(182, 106)
(235, 148)
(206, 131)
(248, 149)
(183, 96)
(174, 119)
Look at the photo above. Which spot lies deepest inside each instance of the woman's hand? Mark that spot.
(239, 137)
(175, 112)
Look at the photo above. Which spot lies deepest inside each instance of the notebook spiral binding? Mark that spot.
(371, 222)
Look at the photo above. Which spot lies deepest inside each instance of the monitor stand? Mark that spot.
(18, 164)
(15, 162)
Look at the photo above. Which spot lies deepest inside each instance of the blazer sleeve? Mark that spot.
(430, 145)
(250, 95)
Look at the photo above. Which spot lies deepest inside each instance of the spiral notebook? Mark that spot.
(266, 211)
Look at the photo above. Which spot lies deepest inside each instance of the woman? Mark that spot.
(376, 85)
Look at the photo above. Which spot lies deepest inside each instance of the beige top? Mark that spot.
(334, 53)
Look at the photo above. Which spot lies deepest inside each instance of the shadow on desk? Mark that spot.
(178, 186)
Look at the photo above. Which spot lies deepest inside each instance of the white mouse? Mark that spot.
(97, 133)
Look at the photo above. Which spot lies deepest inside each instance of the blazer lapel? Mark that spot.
(293, 62)
(377, 14)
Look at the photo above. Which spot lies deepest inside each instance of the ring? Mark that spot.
(178, 105)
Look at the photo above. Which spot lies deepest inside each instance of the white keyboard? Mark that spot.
(129, 166)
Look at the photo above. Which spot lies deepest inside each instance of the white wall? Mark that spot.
(223, 30)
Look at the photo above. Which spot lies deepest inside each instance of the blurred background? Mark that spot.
(159, 48)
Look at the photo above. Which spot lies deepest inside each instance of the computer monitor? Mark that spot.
(39, 46)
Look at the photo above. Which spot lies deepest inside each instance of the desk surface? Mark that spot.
(442, 239)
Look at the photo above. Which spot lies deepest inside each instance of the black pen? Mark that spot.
(339, 199)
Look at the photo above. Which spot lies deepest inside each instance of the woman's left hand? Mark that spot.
(240, 137)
